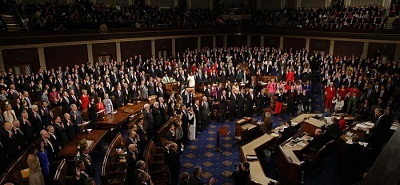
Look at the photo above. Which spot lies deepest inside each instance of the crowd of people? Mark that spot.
(351, 85)
(370, 17)
(85, 15)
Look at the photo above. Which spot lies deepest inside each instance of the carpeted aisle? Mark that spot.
(214, 164)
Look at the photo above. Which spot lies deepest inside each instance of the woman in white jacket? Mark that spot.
(192, 124)
(339, 103)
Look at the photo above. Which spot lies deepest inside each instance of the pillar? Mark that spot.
(308, 44)
(42, 58)
(173, 47)
(248, 40)
(331, 47)
(281, 42)
(199, 43)
(153, 48)
(298, 4)
(396, 55)
(1, 61)
(225, 40)
(176, 3)
(189, 4)
(90, 53)
(262, 41)
(214, 41)
(118, 51)
(365, 50)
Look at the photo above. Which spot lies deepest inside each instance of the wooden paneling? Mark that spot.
(294, 43)
(379, 50)
(312, 3)
(220, 41)
(255, 41)
(348, 48)
(162, 3)
(21, 56)
(104, 49)
(65, 55)
(164, 45)
(271, 41)
(206, 42)
(236, 40)
(181, 44)
(319, 45)
(275, 4)
(130, 49)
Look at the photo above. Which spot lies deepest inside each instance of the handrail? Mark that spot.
(20, 18)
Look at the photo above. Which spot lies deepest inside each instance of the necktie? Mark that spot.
(27, 122)
(19, 130)
(38, 116)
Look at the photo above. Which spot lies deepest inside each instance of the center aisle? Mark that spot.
(214, 164)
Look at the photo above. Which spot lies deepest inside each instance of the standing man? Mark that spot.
(174, 162)
(205, 113)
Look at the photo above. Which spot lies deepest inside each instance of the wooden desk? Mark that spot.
(289, 165)
(310, 124)
(300, 118)
(71, 149)
(255, 166)
(122, 115)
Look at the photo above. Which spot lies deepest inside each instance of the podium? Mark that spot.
(221, 131)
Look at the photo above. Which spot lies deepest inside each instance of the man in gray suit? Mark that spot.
(76, 118)
(205, 113)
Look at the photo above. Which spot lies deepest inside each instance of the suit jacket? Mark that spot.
(27, 130)
(69, 129)
(193, 180)
(76, 118)
(148, 120)
(65, 104)
(119, 99)
(60, 133)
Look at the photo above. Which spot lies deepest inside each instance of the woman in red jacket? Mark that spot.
(84, 99)
(290, 76)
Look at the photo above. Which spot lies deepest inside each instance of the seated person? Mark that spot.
(318, 142)
(288, 131)
(333, 131)
(327, 113)
(242, 173)
(342, 122)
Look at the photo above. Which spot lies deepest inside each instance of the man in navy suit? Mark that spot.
(194, 179)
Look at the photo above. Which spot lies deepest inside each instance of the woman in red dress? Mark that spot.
(290, 76)
(84, 99)
(100, 107)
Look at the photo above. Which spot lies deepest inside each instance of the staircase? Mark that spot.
(389, 21)
(11, 23)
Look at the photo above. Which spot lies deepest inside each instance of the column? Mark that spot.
(90, 53)
(281, 42)
(365, 50)
(283, 3)
(211, 4)
(396, 55)
(199, 43)
(331, 47)
(347, 3)
(298, 4)
(173, 47)
(262, 41)
(308, 44)
(225, 40)
(153, 47)
(147, 2)
(130, 2)
(189, 4)
(176, 3)
(214, 41)
(118, 51)
(327, 3)
(42, 58)
(2, 68)
(248, 40)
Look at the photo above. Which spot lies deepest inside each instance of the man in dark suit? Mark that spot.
(26, 127)
(80, 175)
(45, 114)
(49, 146)
(9, 141)
(84, 156)
(379, 132)
(65, 103)
(119, 97)
(22, 143)
(205, 113)
(59, 131)
(250, 100)
(241, 175)
(222, 107)
(76, 118)
(185, 123)
(196, 109)
(194, 179)
(36, 120)
(318, 142)
(288, 132)
(292, 100)
(174, 162)
(140, 167)
(148, 119)
(131, 159)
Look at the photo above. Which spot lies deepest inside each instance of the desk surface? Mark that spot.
(289, 150)
(255, 166)
(122, 115)
(71, 149)
(301, 118)
(315, 122)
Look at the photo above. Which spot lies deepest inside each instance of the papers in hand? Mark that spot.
(251, 157)
(114, 112)
(86, 122)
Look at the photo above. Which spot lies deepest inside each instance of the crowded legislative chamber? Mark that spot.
(193, 92)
